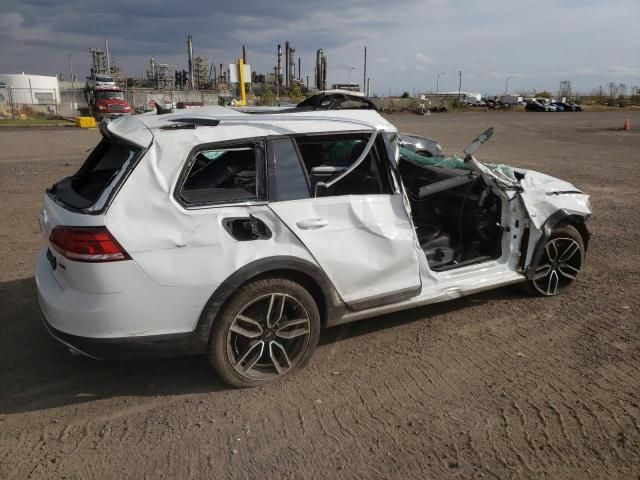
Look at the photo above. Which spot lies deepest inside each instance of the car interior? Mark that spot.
(456, 215)
(327, 158)
(221, 175)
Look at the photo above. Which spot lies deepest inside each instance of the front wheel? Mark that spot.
(560, 264)
(268, 329)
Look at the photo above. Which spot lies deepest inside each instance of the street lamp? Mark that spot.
(506, 87)
(438, 81)
(350, 68)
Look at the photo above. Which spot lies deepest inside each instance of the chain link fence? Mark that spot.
(28, 102)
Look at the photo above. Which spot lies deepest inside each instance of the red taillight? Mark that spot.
(87, 244)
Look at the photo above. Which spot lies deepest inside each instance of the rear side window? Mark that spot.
(101, 170)
(222, 174)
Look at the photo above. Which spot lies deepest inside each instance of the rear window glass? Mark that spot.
(100, 171)
(227, 174)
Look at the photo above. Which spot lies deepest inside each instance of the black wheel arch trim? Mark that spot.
(309, 275)
(559, 217)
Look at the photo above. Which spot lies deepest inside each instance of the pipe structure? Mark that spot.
(292, 66)
(190, 55)
(279, 68)
(286, 64)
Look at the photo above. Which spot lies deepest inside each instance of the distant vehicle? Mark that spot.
(336, 101)
(104, 98)
(558, 107)
(534, 106)
(107, 102)
(100, 81)
(511, 99)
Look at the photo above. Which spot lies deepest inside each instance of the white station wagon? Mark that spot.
(241, 235)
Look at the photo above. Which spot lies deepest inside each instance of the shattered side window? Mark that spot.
(327, 157)
(218, 175)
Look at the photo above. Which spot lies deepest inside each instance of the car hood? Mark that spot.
(543, 195)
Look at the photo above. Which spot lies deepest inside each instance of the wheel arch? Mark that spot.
(310, 276)
(559, 218)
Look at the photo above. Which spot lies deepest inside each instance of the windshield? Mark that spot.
(110, 96)
(104, 79)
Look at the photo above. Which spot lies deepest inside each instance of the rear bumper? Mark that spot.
(142, 320)
(151, 346)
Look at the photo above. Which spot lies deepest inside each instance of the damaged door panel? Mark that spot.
(356, 229)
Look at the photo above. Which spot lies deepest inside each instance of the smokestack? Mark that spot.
(279, 70)
(292, 66)
(323, 62)
(190, 54)
(222, 79)
(106, 50)
(286, 64)
(244, 54)
(299, 68)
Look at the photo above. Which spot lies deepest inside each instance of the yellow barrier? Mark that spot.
(85, 122)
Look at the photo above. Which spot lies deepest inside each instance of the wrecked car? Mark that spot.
(242, 235)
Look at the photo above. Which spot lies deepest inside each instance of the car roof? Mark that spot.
(235, 123)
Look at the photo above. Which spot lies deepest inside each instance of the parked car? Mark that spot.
(566, 107)
(336, 101)
(533, 106)
(242, 235)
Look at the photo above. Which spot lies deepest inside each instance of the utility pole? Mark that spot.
(364, 76)
(73, 86)
(459, 85)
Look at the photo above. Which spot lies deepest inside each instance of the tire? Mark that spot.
(268, 329)
(560, 264)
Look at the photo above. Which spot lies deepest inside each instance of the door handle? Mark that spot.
(312, 224)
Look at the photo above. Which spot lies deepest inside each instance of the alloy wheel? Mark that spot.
(268, 336)
(559, 266)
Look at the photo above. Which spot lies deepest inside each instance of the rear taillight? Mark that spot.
(87, 244)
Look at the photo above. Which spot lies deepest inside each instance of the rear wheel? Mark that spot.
(560, 264)
(268, 329)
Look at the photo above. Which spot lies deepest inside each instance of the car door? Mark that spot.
(336, 194)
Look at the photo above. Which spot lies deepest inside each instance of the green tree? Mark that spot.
(543, 94)
(405, 94)
(295, 92)
(267, 98)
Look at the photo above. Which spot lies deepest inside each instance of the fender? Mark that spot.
(309, 275)
(560, 216)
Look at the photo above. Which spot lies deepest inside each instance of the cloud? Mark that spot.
(586, 41)
(422, 59)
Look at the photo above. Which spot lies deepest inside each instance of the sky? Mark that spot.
(409, 42)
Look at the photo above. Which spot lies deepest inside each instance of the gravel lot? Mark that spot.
(497, 385)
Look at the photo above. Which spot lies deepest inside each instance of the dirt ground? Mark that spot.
(497, 385)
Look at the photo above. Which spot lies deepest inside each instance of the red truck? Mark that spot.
(107, 101)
